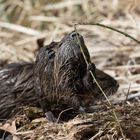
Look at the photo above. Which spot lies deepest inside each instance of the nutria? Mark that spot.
(59, 77)
(69, 83)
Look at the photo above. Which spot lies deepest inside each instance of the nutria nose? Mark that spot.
(74, 34)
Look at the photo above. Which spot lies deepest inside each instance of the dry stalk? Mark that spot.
(97, 135)
(126, 99)
(60, 114)
(19, 28)
(111, 28)
(110, 104)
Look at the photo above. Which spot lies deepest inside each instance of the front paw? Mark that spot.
(50, 117)
(81, 110)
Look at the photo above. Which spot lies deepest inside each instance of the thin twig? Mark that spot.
(100, 132)
(97, 135)
(25, 132)
(130, 97)
(126, 99)
(111, 28)
(63, 4)
(113, 110)
(60, 114)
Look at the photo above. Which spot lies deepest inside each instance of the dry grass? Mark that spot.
(22, 22)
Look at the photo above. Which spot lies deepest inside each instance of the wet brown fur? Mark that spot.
(69, 83)
(59, 77)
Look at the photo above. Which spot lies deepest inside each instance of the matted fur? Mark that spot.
(58, 78)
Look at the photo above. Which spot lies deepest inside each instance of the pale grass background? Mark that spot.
(23, 21)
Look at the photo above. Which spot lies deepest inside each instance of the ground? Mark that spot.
(22, 22)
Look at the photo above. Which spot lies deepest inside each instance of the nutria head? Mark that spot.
(65, 78)
(69, 62)
(70, 70)
(70, 49)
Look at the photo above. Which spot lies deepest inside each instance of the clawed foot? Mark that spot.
(50, 117)
(81, 110)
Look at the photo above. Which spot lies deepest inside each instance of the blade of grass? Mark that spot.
(110, 104)
(19, 28)
(111, 28)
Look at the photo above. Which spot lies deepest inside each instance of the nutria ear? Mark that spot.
(40, 42)
(3, 62)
